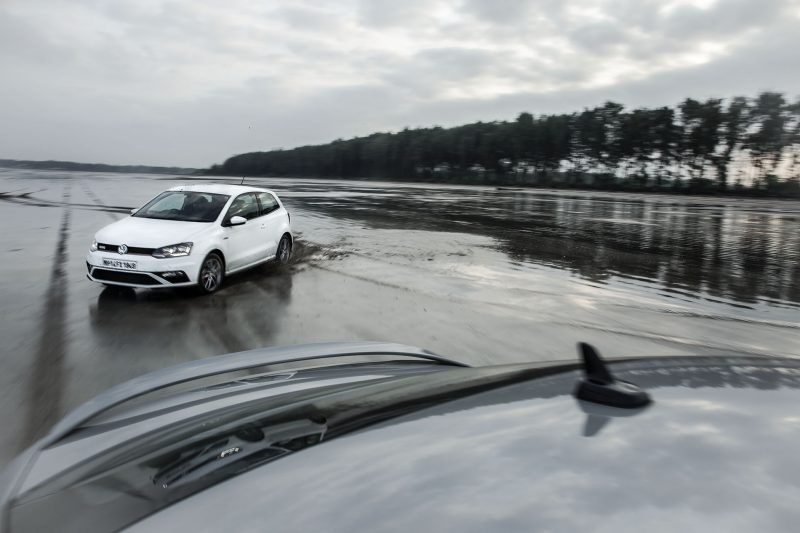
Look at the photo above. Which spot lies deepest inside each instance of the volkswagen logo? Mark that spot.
(123, 249)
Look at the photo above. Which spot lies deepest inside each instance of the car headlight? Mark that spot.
(174, 250)
(93, 247)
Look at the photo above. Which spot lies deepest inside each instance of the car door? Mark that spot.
(243, 242)
(271, 221)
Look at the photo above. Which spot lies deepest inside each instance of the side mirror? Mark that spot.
(133, 211)
(237, 221)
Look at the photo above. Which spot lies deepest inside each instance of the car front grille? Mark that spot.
(135, 278)
(131, 249)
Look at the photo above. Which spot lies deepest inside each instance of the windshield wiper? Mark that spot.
(176, 219)
(154, 218)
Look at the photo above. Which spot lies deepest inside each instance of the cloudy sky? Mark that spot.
(191, 82)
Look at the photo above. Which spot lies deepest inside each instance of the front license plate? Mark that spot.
(120, 263)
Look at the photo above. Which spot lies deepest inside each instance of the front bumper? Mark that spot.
(150, 272)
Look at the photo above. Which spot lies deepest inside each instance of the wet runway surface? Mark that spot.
(480, 274)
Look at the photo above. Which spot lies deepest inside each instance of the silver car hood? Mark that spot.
(716, 451)
(115, 425)
(497, 448)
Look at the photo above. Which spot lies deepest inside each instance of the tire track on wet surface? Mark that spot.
(110, 211)
(46, 383)
(27, 199)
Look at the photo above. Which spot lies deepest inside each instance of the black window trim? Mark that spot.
(226, 219)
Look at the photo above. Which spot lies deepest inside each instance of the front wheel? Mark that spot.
(284, 253)
(211, 274)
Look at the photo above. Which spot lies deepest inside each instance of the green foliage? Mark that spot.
(694, 147)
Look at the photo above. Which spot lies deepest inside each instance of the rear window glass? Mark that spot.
(268, 203)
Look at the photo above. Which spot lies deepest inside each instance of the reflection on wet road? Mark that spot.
(247, 316)
(475, 273)
(742, 256)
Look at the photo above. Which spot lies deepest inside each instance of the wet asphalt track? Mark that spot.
(474, 273)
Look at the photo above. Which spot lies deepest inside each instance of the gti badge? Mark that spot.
(123, 249)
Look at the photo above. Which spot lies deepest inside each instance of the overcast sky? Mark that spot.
(192, 82)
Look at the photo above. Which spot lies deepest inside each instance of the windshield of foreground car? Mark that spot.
(188, 206)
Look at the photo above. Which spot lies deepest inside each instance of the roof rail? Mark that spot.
(212, 366)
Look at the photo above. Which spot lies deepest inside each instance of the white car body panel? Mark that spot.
(243, 246)
(151, 232)
(273, 228)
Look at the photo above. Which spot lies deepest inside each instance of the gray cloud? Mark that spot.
(22, 42)
(192, 82)
(724, 18)
(507, 12)
(598, 37)
(388, 13)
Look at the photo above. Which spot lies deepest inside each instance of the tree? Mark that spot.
(698, 139)
(666, 137)
(735, 121)
(767, 142)
(700, 136)
(793, 129)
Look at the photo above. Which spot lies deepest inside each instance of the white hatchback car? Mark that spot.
(192, 235)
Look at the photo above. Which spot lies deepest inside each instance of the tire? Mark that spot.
(212, 272)
(284, 253)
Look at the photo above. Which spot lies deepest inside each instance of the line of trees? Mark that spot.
(738, 144)
(94, 167)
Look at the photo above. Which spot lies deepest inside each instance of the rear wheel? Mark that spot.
(211, 274)
(284, 253)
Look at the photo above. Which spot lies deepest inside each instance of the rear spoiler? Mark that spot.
(212, 366)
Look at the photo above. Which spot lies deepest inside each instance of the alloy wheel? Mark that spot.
(284, 250)
(211, 274)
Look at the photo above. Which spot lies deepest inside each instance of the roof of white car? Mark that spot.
(220, 188)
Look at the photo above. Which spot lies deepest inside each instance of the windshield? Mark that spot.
(188, 206)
